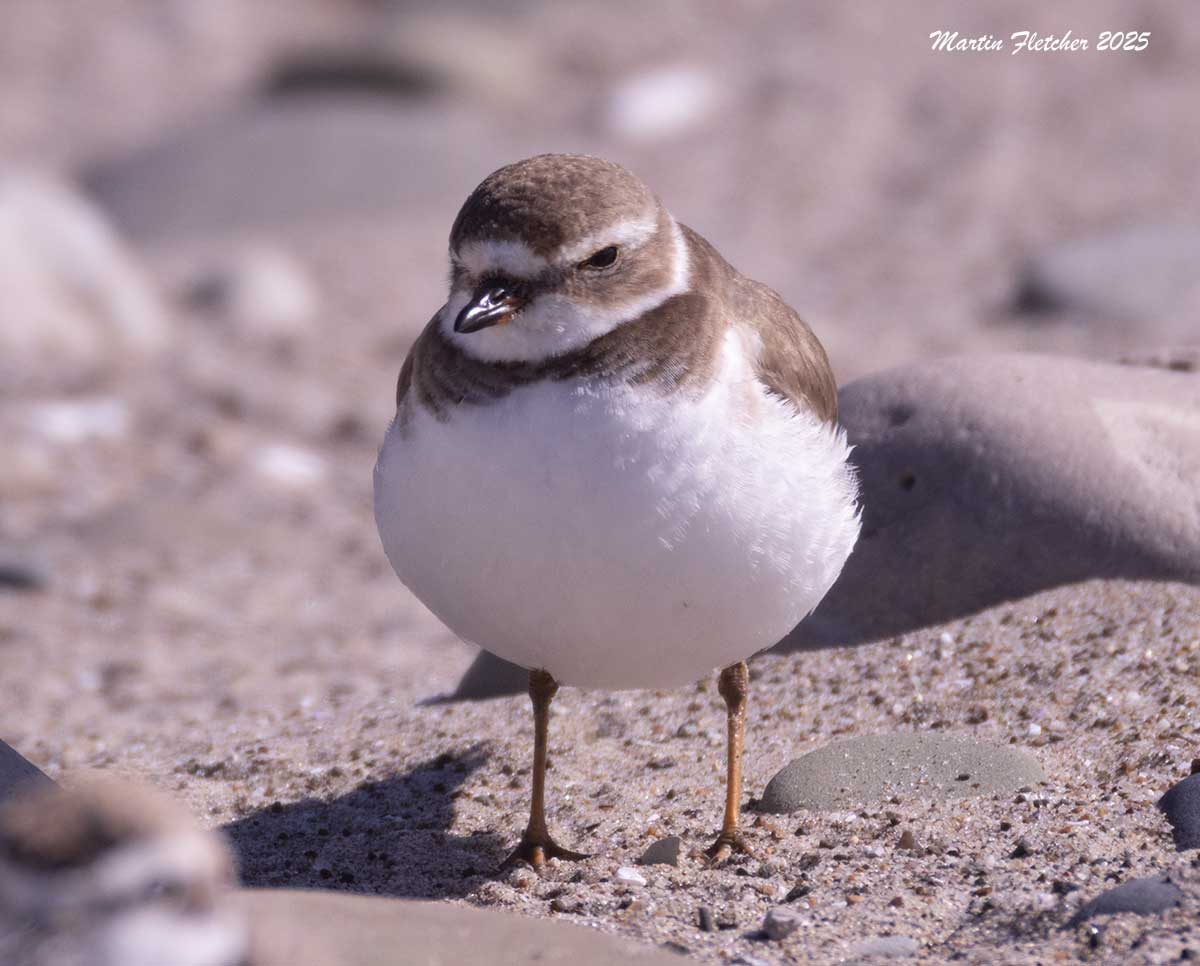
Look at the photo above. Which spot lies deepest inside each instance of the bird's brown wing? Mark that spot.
(792, 362)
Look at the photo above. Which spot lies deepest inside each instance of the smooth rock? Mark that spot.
(663, 852)
(855, 771)
(630, 876)
(16, 771)
(299, 160)
(779, 923)
(1142, 896)
(317, 928)
(885, 947)
(1181, 806)
(76, 304)
(1143, 273)
(991, 477)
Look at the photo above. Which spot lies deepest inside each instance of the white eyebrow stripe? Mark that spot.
(625, 234)
(501, 255)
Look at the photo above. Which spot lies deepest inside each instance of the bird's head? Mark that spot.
(552, 252)
(108, 874)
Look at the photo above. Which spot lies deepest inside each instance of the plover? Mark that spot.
(121, 877)
(107, 874)
(615, 460)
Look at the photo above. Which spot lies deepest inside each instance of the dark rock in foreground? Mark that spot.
(301, 928)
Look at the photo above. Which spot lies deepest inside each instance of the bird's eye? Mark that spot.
(601, 259)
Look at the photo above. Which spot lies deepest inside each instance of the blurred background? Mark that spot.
(222, 222)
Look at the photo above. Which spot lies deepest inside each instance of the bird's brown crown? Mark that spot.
(50, 828)
(550, 200)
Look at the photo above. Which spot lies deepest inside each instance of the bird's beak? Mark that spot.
(492, 303)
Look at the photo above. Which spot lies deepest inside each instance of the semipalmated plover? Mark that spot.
(615, 460)
(112, 875)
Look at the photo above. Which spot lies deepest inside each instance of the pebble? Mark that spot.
(663, 852)
(885, 947)
(853, 771)
(1181, 806)
(1023, 849)
(779, 923)
(630, 876)
(1141, 896)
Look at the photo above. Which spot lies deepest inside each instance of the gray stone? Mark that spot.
(283, 162)
(779, 923)
(988, 478)
(16, 772)
(1181, 805)
(1141, 896)
(319, 928)
(855, 771)
(76, 304)
(885, 947)
(1145, 273)
(663, 852)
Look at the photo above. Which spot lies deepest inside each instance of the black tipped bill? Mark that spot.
(492, 303)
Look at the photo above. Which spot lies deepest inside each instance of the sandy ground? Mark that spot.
(233, 633)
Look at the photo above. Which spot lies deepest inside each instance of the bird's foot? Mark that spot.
(727, 843)
(534, 850)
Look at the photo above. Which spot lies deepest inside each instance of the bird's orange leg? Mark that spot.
(734, 687)
(537, 845)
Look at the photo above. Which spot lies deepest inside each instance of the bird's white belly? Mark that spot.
(614, 537)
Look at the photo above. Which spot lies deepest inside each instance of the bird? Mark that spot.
(615, 460)
(112, 874)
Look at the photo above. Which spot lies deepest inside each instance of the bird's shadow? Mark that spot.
(389, 837)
